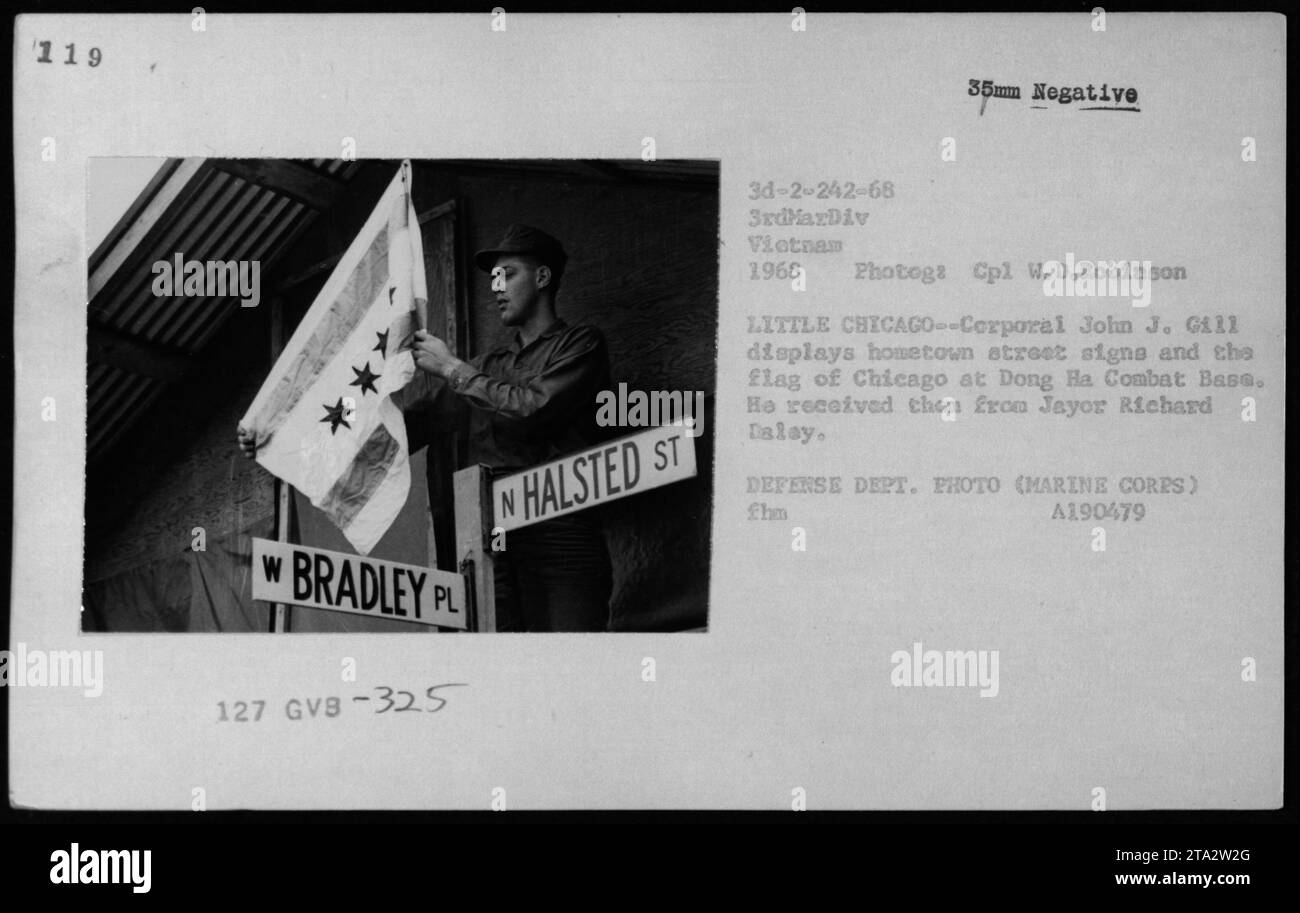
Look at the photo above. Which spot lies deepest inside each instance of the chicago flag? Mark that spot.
(323, 420)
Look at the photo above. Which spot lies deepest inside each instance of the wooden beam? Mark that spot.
(324, 266)
(663, 174)
(473, 487)
(109, 347)
(287, 178)
(281, 614)
(128, 218)
(441, 209)
(302, 276)
(144, 218)
(601, 170)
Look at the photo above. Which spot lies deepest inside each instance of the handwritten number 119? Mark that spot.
(95, 56)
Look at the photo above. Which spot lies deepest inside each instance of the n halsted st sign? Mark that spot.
(619, 468)
(339, 582)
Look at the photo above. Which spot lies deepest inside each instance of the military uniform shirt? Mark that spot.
(524, 404)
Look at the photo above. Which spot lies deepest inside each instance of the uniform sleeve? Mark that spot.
(420, 393)
(576, 371)
(428, 407)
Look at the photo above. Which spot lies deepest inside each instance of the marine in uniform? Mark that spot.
(524, 403)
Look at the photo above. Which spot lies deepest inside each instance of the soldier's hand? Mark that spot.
(431, 354)
(247, 443)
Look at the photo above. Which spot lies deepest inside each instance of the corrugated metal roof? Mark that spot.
(204, 209)
(241, 209)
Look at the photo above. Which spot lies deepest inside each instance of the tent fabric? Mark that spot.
(150, 597)
(204, 591)
(221, 590)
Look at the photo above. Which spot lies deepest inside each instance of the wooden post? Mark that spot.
(284, 500)
(473, 490)
(283, 491)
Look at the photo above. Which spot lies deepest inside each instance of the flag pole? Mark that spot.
(300, 393)
(417, 259)
(280, 612)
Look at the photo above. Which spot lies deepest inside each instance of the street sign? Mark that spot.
(616, 469)
(339, 582)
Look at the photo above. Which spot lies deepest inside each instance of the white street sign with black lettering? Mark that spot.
(616, 469)
(339, 582)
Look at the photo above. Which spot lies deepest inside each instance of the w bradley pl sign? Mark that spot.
(339, 582)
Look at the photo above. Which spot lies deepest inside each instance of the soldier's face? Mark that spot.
(515, 285)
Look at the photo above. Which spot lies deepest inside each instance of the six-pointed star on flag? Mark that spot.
(365, 379)
(334, 415)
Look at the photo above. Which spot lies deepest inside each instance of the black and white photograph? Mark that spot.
(788, 415)
(363, 331)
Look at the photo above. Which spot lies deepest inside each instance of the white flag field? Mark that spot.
(323, 421)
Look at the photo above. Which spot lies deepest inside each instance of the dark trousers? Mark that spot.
(553, 576)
